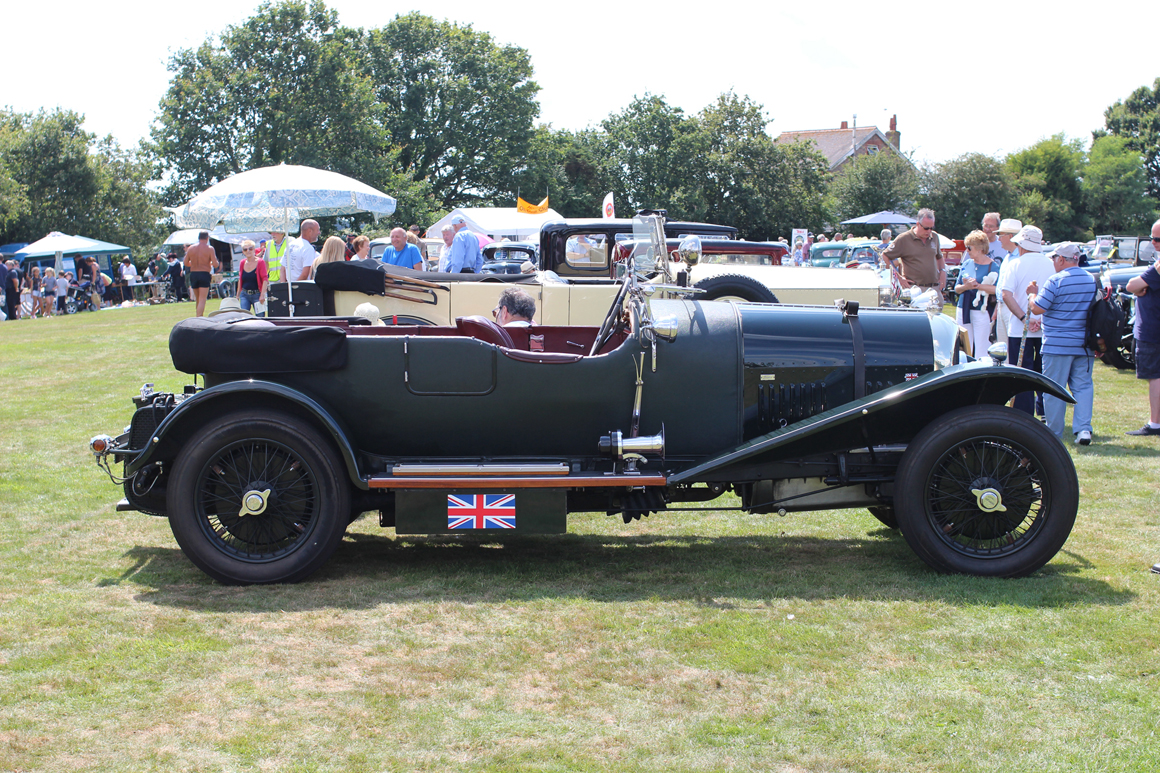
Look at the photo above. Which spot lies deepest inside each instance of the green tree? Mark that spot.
(13, 196)
(285, 86)
(125, 210)
(883, 181)
(1049, 181)
(571, 167)
(961, 191)
(1137, 120)
(1116, 186)
(47, 154)
(458, 106)
(651, 149)
(55, 176)
(749, 181)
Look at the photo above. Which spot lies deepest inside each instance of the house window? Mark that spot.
(871, 150)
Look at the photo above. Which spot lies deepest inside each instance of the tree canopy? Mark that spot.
(433, 113)
(1137, 120)
(1049, 183)
(1115, 184)
(55, 176)
(962, 190)
(458, 106)
(873, 183)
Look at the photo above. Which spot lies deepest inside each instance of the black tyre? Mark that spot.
(987, 491)
(70, 305)
(734, 287)
(258, 498)
(886, 515)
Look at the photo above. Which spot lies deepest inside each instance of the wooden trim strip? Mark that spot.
(563, 481)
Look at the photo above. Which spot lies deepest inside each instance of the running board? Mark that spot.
(508, 481)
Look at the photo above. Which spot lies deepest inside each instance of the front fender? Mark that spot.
(890, 417)
(194, 411)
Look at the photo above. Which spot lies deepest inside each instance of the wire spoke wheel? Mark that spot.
(291, 508)
(986, 490)
(258, 497)
(986, 497)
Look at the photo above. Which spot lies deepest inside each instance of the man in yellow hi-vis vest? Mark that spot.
(275, 250)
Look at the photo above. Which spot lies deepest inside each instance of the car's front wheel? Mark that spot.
(258, 497)
(734, 287)
(988, 491)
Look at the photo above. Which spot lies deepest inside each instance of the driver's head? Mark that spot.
(514, 305)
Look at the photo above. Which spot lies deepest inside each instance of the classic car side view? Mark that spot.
(300, 425)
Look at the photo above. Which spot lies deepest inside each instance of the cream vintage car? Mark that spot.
(581, 261)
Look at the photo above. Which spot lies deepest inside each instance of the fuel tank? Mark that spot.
(799, 361)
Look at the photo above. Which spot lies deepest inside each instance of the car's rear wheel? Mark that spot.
(258, 497)
(734, 287)
(987, 491)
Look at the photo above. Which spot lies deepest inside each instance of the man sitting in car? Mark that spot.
(515, 307)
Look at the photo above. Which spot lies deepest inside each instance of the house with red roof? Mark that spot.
(840, 146)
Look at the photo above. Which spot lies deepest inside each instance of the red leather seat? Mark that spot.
(484, 329)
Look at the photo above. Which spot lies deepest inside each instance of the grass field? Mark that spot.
(711, 641)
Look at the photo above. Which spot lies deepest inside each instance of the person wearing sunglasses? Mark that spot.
(1146, 288)
(915, 256)
(253, 278)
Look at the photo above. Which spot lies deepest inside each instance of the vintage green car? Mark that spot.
(301, 425)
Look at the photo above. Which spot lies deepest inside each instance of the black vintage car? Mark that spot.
(509, 257)
(300, 425)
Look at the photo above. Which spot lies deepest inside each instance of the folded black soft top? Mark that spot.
(239, 343)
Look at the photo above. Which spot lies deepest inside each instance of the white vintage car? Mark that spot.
(579, 281)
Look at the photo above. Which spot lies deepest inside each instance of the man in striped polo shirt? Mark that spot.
(1064, 302)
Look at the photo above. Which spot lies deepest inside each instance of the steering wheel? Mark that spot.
(609, 323)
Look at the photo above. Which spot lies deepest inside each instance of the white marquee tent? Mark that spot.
(496, 222)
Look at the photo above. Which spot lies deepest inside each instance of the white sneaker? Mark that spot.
(1083, 438)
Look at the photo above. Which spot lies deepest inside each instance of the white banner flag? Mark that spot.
(609, 210)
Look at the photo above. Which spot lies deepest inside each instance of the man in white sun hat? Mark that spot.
(1027, 267)
(1008, 229)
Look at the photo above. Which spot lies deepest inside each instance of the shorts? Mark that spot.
(1147, 360)
(199, 280)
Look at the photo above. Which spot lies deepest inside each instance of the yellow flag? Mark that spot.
(531, 209)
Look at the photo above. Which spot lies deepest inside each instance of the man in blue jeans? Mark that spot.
(1064, 302)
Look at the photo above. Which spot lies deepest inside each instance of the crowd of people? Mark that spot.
(1011, 288)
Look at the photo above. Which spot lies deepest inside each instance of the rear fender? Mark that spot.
(203, 407)
(890, 417)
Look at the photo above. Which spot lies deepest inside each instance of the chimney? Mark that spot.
(845, 125)
(894, 135)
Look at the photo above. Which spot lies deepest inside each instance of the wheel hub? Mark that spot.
(988, 497)
(254, 501)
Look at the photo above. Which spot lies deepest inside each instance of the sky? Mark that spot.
(992, 79)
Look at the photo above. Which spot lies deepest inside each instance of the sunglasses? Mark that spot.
(1156, 238)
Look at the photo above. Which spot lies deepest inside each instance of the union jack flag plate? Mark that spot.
(481, 511)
